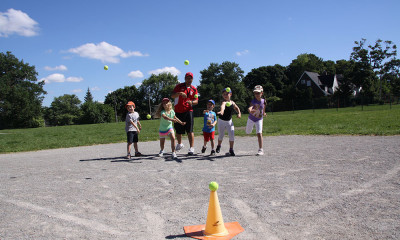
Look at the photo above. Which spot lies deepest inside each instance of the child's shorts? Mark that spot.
(164, 134)
(250, 125)
(132, 136)
(209, 136)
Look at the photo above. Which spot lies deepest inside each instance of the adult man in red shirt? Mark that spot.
(184, 95)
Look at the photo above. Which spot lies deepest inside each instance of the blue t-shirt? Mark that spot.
(209, 118)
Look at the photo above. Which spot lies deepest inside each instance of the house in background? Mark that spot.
(321, 85)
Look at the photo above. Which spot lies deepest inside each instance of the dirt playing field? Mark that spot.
(304, 187)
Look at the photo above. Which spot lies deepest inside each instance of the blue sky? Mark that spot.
(69, 42)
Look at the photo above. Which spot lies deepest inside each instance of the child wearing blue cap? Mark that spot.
(210, 120)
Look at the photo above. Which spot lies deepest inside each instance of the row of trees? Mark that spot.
(374, 69)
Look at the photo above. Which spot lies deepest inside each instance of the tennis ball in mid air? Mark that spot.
(196, 96)
(186, 62)
(105, 67)
(228, 90)
(228, 104)
(148, 116)
(213, 186)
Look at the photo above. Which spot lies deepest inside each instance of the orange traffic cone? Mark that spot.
(215, 228)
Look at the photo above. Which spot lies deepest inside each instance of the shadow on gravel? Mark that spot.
(176, 236)
(123, 159)
(201, 157)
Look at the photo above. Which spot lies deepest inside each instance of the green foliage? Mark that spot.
(219, 76)
(120, 97)
(272, 78)
(158, 87)
(95, 112)
(88, 96)
(64, 110)
(304, 62)
(20, 96)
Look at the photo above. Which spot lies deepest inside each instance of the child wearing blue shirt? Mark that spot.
(210, 120)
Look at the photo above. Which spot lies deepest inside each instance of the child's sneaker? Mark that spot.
(203, 150)
(231, 152)
(218, 148)
(138, 154)
(179, 147)
(161, 153)
(260, 152)
(191, 151)
(174, 155)
(212, 152)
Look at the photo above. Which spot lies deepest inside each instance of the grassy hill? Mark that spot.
(371, 120)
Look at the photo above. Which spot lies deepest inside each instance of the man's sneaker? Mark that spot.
(231, 152)
(218, 148)
(203, 149)
(174, 155)
(212, 152)
(138, 154)
(260, 152)
(161, 153)
(179, 147)
(191, 151)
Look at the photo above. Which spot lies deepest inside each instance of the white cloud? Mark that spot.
(138, 84)
(56, 68)
(135, 74)
(171, 70)
(17, 22)
(58, 77)
(242, 53)
(104, 52)
(77, 90)
(95, 89)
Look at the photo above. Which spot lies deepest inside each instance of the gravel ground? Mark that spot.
(304, 187)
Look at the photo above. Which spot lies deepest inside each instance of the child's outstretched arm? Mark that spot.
(237, 109)
(221, 112)
(137, 129)
(179, 121)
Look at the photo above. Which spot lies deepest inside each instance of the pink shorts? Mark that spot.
(208, 136)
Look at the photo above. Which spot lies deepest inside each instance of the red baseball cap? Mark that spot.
(189, 74)
(165, 100)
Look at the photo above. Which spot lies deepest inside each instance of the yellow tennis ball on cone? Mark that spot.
(213, 186)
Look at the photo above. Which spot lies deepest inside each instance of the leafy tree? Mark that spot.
(121, 96)
(219, 76)
(272, 78)
(95, 112)
(157, 87)
(88, 96)
(346, 87)
(304, 62)
(64, 110)
(21, 95)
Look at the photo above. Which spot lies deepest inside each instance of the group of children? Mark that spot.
(225, 123)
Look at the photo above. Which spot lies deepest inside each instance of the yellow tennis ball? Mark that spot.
(228, 90)
(186, 62)
(196, 96)
(148, 116)
(213, 186)
(105, 67)
(228, 104)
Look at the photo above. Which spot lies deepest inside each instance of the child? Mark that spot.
(132, 129)
(210, 120)
(256, 113)
(167, 115)
(225, 120)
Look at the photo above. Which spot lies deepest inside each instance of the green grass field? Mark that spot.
(372, 120)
